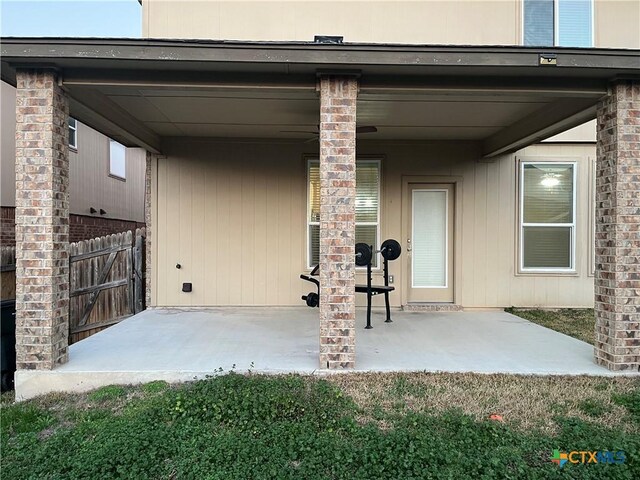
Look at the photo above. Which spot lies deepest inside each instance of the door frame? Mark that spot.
(456, 181)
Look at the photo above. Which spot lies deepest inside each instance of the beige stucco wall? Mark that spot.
(233, 216)
(461, 22)
(446, 22)
(617, 23)
(90, 184)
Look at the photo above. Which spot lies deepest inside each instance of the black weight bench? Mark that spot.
(390, 251)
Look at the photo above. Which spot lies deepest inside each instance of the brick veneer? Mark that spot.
(337, 221)
(151, 158)
(81, 227)
(42, 221)
(84, 227)
(617, 278)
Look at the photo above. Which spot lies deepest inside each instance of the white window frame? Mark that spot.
(309, 223)
(114, 175)
(75, 129)
(521, 224)
(556, 24)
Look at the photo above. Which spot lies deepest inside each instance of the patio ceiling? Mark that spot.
(140, 91)
(228, 112)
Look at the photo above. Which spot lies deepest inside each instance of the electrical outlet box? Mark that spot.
(390, 278)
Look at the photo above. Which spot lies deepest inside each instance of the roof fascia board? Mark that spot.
(309, 53)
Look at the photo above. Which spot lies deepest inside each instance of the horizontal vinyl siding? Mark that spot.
(233, 216)
(91, 185)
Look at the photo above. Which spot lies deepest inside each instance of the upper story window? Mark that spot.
(547, 216)
(367, 207)
(117, 160)
(73, 133)
(563, 23)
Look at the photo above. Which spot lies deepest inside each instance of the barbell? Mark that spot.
(390, 250)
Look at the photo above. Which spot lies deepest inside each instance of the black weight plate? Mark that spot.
(312, 299)
(363, 254)
(391, 249)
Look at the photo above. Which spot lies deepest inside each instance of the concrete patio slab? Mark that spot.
(181, 344)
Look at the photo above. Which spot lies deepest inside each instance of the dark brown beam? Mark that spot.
(550, 120)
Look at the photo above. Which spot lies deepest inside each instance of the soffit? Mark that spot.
(139, 91)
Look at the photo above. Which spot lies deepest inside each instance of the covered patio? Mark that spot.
(177, 345)
(179, 99)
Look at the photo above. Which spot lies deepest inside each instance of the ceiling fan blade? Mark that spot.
(362, 129)
(299, 131)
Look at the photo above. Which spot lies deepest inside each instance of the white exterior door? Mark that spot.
(430, 243)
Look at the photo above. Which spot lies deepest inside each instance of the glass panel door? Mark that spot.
(430, 243)
(429, 239)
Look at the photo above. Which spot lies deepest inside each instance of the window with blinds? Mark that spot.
(367, 207)
(566, 23)
(547, 216)
(538, 22)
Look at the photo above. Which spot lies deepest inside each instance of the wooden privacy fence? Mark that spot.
(7, 273)
(106, 282)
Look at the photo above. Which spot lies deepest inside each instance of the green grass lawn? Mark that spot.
(575, 322)
(355, 426)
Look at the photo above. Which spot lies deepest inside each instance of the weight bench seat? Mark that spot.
(368, 288)
(375, 289)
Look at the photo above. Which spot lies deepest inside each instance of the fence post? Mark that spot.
(138, 269)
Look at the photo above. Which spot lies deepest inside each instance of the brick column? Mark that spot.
(337, 221)
(42, 221)
(617, 279)
(151, 159)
